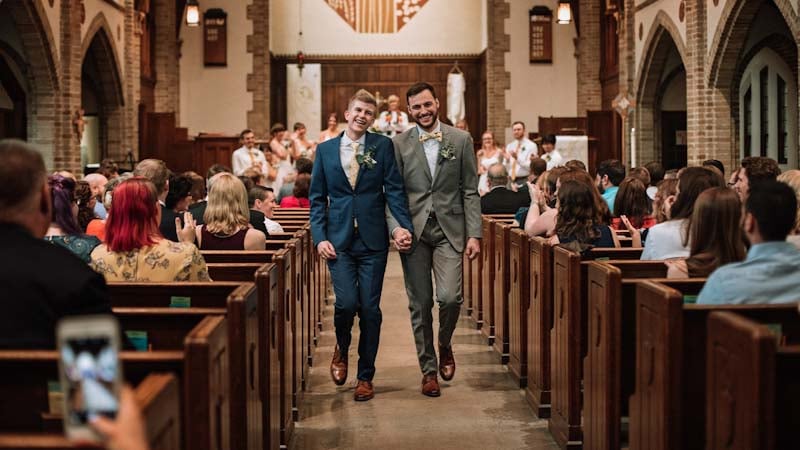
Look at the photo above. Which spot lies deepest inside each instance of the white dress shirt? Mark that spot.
(431, 147)
(554, 159)
(527, 148)
(272, 226)
(243, 161)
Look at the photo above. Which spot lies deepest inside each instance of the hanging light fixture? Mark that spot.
(192, 13)
(564, 16)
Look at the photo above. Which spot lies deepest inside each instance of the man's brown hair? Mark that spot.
(154, 170)
(760, 168)
(23, 173)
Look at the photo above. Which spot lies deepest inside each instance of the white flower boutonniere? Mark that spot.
(367, 159)
(547, 157)
(447, 151)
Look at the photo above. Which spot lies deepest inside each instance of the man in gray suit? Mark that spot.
(438, 166)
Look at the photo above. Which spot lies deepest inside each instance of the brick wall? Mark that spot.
(166, 59)
(67, 154)
(589, 87)
(132, 87)
(498, 79)
(258, 80)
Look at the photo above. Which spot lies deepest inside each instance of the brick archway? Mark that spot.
(98, 50)
(663, 39)
(41, 76)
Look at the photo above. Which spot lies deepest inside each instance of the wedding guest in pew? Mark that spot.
(39, 282)
(540, 218)
(64, 230)
(716, 164)
(227, 218)
(97, 227)
(792, 178)
(156, 171)
(578, 218)
(198, 190)
(769, 272)
(299, 197)
(656, 171)
(632, 202)
(97, 184)
(754, 170)
(262, 199)
(500, 199)
(301, 166)
(126, 431)
(641, 174)
(179, 195)
(86, 203)
(135, 249)
(715, 235)
(665, 195)
(575, 164)
(670, 239)
(610, 174)
(538, 167)
(199, 208)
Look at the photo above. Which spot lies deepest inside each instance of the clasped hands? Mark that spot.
(402, 239)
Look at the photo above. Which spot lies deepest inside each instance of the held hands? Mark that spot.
(326, 250)
(402, 239)
(473, 247)
(187, 233)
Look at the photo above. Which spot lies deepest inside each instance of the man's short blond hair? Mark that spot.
(362, 96)
(154, 170)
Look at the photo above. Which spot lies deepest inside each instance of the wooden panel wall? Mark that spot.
(341, 77)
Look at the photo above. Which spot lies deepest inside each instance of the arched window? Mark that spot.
(768, 111)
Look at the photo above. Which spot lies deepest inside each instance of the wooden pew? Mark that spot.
(146, 307)
(540, 322)
(476, 288)
(609, 366)
(667, 409)
(519, 300)
(488, 274)
(158, 397)
(287, 348)
(203, 375)
(568, 339)
(753, 392)
(501, 233)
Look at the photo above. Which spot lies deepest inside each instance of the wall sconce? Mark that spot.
(192, 13)
(564, 15)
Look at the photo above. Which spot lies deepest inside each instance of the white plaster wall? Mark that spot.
(53, 14)
(540, 89)
(647, 16)
(713, 16)
(215, 99)
(440, 27)
(485, 24)
(116, 23)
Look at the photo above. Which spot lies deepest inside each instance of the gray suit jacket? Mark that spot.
(452, 194)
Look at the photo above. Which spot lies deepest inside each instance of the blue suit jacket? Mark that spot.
(335, 204)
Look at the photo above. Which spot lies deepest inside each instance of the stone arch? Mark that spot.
(41, 71)
(663, 41)
(100, 69)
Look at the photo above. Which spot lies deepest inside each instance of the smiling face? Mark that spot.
(518, 131)
(424, 108)
(359, 116)
(249, 140)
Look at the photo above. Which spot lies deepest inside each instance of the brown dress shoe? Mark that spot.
(338, 368)
(447, 363)
(364, 391)
(430, 385)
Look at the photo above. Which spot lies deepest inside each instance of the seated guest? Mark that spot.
(97, 183)
(656, 171)
(156, 171)
(109, 169)
(715, 235)
(632, 202)
(179, 196)
(299, 197)
(671, 174)
(262, 199)
(199, 208)
(97, 227)
(641, 174)
(610, 174)
(769, 272)
(500, 199)
(538, 167)
(575, 164)
(664, 198)
(39, 282)
(227, 218)
(670, 239)
(135, 250)
(85, 201)
(540, 218)
(792, 178)
(64, 230)
(198, 191)
(716, 164)
(577, 219)
(755, 169)
(301, 166)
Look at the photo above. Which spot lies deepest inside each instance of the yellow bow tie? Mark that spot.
(435, 135)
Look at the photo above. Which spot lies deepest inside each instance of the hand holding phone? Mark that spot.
(90, 372)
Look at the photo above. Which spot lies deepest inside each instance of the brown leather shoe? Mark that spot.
(338, 368)
(364, 391)
(430, 385)
(447, 363)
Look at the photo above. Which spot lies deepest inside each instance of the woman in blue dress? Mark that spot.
(64, 229)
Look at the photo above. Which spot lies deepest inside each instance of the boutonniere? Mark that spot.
(546, 157)
(367, 159)
(447, 151)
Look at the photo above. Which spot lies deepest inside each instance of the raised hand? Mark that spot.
(187, 232)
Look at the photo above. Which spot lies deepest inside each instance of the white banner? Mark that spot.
(304, 97)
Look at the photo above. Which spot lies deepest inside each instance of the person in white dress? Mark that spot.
(488, 155)
(301, 146)
(518, 155)
(280, 147)
(393, 121)
(332, 131)
(248, 155)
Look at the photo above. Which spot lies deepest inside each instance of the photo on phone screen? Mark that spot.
(90, 371)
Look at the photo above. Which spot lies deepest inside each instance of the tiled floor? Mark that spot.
(480, 409)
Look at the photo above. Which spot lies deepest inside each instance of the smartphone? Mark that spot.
(90, 372)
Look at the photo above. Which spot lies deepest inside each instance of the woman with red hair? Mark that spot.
(135, 250)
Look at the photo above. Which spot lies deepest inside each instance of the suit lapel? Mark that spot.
(419, 153)
(363, 151)
(337, 158)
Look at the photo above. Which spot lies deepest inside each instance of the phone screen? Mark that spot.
(90, 368)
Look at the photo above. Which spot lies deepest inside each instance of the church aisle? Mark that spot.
(480, 409)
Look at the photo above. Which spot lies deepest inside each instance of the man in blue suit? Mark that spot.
(354, 179)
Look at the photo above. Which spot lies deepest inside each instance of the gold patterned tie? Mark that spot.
(352, 173)
(435, 135)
